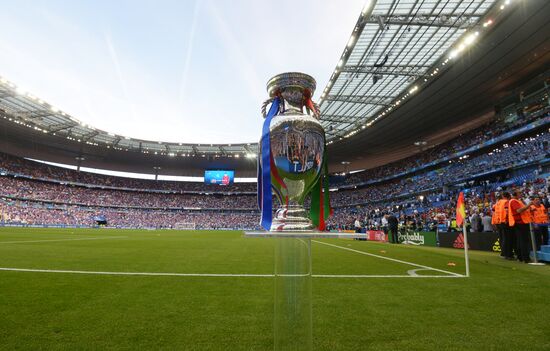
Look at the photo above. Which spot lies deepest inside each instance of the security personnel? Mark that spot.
(519, 218)
(393, 224)
(505, 233)
(540, 222)
(495, 221)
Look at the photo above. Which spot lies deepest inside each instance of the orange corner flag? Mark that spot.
(460, 210)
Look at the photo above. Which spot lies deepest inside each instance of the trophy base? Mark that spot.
(291, 218)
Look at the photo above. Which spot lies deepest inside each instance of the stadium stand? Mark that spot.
(492, 156)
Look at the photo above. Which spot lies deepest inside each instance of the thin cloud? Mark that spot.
(236, 53)
(118, 70)
(189, 52)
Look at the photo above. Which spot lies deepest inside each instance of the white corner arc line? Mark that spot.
(55, 240)
(388, 258)
(243, 275)
(413, 271)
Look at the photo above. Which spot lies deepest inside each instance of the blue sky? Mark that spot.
(181, 71)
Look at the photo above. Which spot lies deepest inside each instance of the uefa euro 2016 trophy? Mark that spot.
(292, 164)
(292, 155)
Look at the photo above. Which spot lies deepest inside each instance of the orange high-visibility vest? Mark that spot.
(494, 219)
(525, 215)
(540, 215)
(501, 211)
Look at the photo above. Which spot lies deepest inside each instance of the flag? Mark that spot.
(460, 210)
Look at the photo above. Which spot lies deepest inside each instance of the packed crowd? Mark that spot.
(21, 188)
(37, 170)
(32, 213)
(35, 200)
(426, 212)
(462, 142)
(477, 136)
(520, 153)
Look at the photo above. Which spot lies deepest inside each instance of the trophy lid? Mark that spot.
(291, 80)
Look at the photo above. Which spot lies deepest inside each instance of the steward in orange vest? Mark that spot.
(501, 208)
(539, 212)
(505, 233)
(519, 217)
(517, 212)
(494, 219)
(540, 219)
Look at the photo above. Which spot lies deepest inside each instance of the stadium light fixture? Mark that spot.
(471, 38)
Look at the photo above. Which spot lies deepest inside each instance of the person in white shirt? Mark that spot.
(357, 226)
(486, 222)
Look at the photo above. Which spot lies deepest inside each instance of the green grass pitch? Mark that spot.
(503, 306)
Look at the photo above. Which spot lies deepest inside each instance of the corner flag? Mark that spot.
(460, 210)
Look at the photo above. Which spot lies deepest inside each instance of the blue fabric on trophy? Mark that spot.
(265, 201)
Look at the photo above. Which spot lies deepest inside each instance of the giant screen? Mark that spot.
(220, 177)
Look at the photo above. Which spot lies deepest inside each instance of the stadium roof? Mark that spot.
(395, 48)
(25, 109)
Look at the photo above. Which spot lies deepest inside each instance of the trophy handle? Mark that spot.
(264, 106)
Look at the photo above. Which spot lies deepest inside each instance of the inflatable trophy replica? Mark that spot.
(292, 161)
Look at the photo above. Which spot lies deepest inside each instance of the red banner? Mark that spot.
(376, 235)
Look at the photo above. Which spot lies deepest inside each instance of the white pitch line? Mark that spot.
(134, 273)
(54, 240)
(388, 258)
(384, 276)
(244, 275)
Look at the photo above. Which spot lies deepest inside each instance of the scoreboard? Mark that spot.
(219, 177)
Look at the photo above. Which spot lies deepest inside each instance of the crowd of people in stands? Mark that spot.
(33, 213)
(475, 137)
(428, 211)
(21, 188)
(520, 153)
(37, 170)
(36, 193)
(491, 130)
